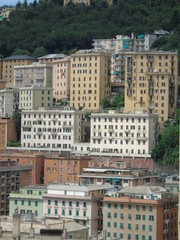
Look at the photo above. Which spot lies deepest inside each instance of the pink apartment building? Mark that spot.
(78, 202)
(61, 78)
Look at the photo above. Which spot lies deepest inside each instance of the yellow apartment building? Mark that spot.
(90, 79)
(10, 62)
(33, 97)
(151, 83)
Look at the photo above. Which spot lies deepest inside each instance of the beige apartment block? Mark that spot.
(90, 79)
(49, 58)
(61, 78)
(151, 83)
(126, 134)
(33, 97)
(35, 74)
(10, 62)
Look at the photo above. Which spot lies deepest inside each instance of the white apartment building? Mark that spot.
(78, 202)
(9, 102)
(52, 128)
(123, 134)
(37, 74)
(33, 97)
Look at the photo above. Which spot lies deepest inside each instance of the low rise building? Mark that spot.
(52, 128)
(141, 213)
(129, 134)
(7, 132)
(61, 78)
(12, 177)
(31, 98)
(172, 184)
(81, 203)
(35, 74)
(118, 177)
(9, 102)
(29, 200)
(59, 169)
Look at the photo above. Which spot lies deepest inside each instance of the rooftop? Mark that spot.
(143, 190)
(19, 57)
(51, 56)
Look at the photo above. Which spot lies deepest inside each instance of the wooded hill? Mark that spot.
(48, 27)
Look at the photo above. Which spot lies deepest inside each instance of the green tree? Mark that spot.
(21, 52)
(175, 20)
(17, 118)
(118, 101)
(106, 103)
(39, 52)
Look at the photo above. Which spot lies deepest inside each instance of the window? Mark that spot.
(137, 237)
(77, 212)
(121, 225)
(129, 226)
(122, 216)
(36, 203)
(49, 211)
(129, 207)
(108, 224)
(138, 217)
(121, 235)
(143, 237)
(84, 204)
(115, 206)
(129, 216)
(137, 226)
(55, 211)
(70, 204)
(70, 212)
(144, 208)
(129, 236)
(150, 237)
(109, 205)
(115, 224)
(84, 213)
(29, 203)
(144, 217)
(151, 218)
(150, 208)
(122, 206)
(115, 235)
(15, 202)
(63, 203)
(49, 202)
(77, 204)
(22, 202)
(150, 228)
(115, 215)
(143, 227)
(63, 212)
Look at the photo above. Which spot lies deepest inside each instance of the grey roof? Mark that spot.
(143, 190)
(70, 226)
(79, 188)
(48, 56)
(19, 57)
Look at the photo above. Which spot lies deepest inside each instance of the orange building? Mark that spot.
(7, 132)
(28, 158)
(62, 169)
(141, 213)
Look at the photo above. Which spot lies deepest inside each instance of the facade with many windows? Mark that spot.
(90, 79)
(78, 202)
(141, 213)
(126, 134)
(28, 200)
(52, 128)
(33, 97)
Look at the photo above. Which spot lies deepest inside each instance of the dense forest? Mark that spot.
(48, 27)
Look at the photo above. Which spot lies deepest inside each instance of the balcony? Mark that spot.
(67, 126)
(151, 92)
(126, 137)
(111, 130)
(96, 137)
(111, 137)
(53, 133)
(151, 85)
(27, 126)
(141, 138)
(39, 133)
(150, 70)
(129, 92)
(150, 58)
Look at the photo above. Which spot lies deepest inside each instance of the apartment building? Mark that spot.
(90, 79)
(118, 177)
(4, 13)
(126, 134)
(7, 132)
(12, 177)
(151, 83)
(26, 158)
(147, 213)
(9, 102)
(35, 74)
(80, 203)
(61, 78)
(1, 69)
(31, 98)
(29, 200)
(52, 128)
(49, 58)
(59, 169)
(10, 62)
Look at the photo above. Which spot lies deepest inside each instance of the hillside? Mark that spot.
(53, 28)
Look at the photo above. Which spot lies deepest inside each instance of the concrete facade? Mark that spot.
(61, 79)
(151, 83)
(7, 132)
(8, 66)
(52, 128)
(136, 215)
(9, 102)
(31, 98)
(35, 74)
(131, 134)
(90, 79)
(81, 203)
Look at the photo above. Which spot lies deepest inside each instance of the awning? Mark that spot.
(116, 180)
(140, 36)
(107, 179)
(115, 55)
(115, 73)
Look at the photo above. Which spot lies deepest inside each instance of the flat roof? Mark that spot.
(143, 190)
(79, 188)
(51, 56)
